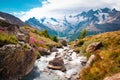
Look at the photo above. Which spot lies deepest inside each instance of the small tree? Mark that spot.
(83, 33)
(45, 33)
(54, 38)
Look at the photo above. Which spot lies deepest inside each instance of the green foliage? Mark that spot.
(83, 33)
(7, 39)
(26, 27)
(42, 33)
(46, 34)
(54, 38)
(36, 31)
(38, 54)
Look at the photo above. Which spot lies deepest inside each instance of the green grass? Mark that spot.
(7, 39)
(107, 61)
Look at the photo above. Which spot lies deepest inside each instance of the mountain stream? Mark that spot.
(72, 62)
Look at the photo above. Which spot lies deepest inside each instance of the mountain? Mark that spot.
(94, 21)
(11, 19)
(36, 24)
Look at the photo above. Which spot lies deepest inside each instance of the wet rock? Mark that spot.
(63, 42)
(44, 52)
(53, 49)
(57, 64)
(93, 46)
(70, 58)
(83, 63)
(61, 54)
(15, 62)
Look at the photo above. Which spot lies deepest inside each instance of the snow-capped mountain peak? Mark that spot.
(72, 24)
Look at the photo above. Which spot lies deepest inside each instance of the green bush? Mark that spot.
(44, 33)
(38, 54)
(83, 33)
(7, 39)
(54, 38)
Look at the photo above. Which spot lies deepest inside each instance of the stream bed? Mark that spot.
(72, 62)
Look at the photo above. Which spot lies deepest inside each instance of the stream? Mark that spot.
(72, 62)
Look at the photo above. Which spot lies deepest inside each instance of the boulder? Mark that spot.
(16, 58)
(63, 42)
(22, 35)
(93, 46)
(15, 61)
(44, 51)
(57, 64)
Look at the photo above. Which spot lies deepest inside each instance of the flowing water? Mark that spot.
(72, 62)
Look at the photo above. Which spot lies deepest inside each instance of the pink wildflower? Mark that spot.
(32, 40)
(41, 42)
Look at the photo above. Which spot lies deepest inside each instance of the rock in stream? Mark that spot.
(71, 60)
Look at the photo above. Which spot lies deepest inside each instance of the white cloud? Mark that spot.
(59, 8)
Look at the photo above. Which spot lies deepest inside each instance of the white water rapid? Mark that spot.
(72, 62)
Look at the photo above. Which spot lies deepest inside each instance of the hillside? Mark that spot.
(20, 46)
(11, 19)
(107, 56)
(41, 40)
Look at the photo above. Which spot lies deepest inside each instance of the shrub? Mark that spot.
(54, 38)
(83, 33)
(7, 39)
(44, 33)
(26, 27)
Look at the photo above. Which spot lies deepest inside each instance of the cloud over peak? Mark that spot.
(59, 8)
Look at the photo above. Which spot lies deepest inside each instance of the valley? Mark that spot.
(83, 46)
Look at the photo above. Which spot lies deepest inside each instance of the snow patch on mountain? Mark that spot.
(92, 20)
(2, 18)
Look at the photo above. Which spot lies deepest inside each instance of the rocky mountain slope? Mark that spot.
(94, 21)
(11, 19)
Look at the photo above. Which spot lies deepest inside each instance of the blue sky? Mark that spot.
(19, 5)
(25, 9)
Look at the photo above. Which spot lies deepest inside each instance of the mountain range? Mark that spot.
(94, 21)
(70, 26)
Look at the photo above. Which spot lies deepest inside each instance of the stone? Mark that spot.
(57, 64)
(15, 62)
(61, 54)
(22, 35)
(53, 49)
(93, 46)
(92, 57)
(113, 77)
(44, 52)
(63, 42)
